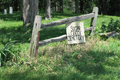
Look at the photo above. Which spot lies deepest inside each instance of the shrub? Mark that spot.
(10, 50)
(112, 26)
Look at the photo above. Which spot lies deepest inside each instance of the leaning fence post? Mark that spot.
(35, 37)
(93, 21)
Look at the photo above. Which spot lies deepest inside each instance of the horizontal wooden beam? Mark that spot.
(56, 39)
(109, 34)
(47, 41)
(88, 29)
(67, 20)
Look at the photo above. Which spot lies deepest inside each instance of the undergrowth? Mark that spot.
(112, 26)
(94, 60)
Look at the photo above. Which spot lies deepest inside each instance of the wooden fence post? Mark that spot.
(93, 21)
(35, 37)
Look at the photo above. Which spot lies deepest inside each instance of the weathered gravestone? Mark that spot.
(5, 11)
(10, 10)
(75, 33)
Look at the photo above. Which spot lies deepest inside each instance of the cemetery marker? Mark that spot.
(75, 32)
(10, 10)
(5, 11)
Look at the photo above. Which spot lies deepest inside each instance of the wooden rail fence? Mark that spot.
(35, 43)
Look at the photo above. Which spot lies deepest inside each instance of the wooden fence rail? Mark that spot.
(35, 34)
(67, 20)
(60, 38)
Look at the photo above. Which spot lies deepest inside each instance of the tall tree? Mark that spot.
(61, 5)
(42, 5)
(114, 7)
(16, 2)
(103, 6)
(30, 9)
(76, 6)
(81, 6)
(48, 9)
(21, 10)
(56, 5)
(0, 4)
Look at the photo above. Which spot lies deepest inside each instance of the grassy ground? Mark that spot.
(97, 59)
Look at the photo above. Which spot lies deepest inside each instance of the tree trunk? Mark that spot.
(42, 4)
(21, 9)
(0, 5)
(81, 7)
(61, 5)
(56, 6)
(105, 7)
(76, 6)
(30, 9)
(48, 10)
(16, 5)
(101, 3)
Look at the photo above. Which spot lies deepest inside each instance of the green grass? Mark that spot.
(97, 59)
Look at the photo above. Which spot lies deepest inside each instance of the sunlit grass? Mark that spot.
(97, 59)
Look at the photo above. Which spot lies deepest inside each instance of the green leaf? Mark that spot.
(3, 53)
(9, 52)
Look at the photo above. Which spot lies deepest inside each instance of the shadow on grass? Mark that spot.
(15, 33)
(23, 34)
(11, 17)
(90, 62)
(87, 64)
(40, 75)
(52, 32)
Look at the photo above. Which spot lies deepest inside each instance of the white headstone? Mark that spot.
(75, 32)
(10, 10)
(5, 11)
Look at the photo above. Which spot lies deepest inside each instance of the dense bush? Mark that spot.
(112, 26)
(10, 52)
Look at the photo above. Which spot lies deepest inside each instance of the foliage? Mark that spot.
(5, 4)
(110, 7)
(10, 51)
(85, 63)
(112, 26)
(114, 8)
(95, 60)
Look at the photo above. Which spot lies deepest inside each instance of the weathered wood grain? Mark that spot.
(109, 34)
(38, 25)
(93, 21)
(60, 38)
(47, 41)
(35, 37)
(114, 34)
(87, 29)
(67, 20)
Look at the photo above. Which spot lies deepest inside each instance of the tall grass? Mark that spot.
(95, 60)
